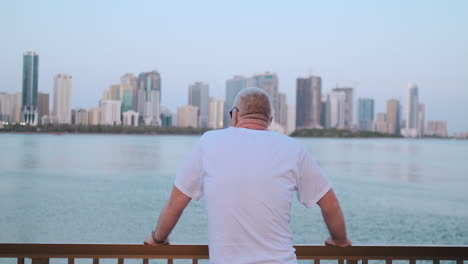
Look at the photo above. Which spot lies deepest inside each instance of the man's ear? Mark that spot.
(234, 118)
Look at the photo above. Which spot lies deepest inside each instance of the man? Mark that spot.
(248, 176)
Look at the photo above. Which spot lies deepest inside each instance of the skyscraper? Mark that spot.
(325, 111)
(29, 111)
(233, 87)
(128, 92)
(337, 109)
(199, 96)
(282, 111)
(308, 102)
(216, 113)
(348, 106)
(149, 98)
(412, 111)
(365, 113)
(62, 98)
(421, 119)
(10, 107)
(393, 117)
(43, 104)
(269, 83)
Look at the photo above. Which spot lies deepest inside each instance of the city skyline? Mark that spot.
(331, 110)
(364, 46)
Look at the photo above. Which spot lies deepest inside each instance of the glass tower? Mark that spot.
(30, 113)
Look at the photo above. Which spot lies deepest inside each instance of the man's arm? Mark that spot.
(334, 219)
(169, 216)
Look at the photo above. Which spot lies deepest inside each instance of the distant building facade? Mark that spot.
(10, 107)
(411, 129)
(282, 111)
(337, 109)
(421, 119)
(166, 117)
(81, 117)
(233, 87)
(29, 110)
(365, 113)
(348, 105)
(110, 112)
(393, 116)
(187, 116)
(43, 104)
(269, 83)
(62, 98)
(436, 128)
(149, 98)
(94, 116)
(216, 113)
(308, 102)
(199, 96)
(380, 123)
(130, 118)
(128, 92)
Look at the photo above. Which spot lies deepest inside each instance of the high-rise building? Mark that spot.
(149, 98)
(187, 116)
(337, 109)
(233, 87)
(43, 104)
(94, 116)
(291, 127)
(166, 117)
(113, 93)
(81, 117)
(412, 111)
(282, 111)
(325, 111)
(199, 96)
(348, 106)
(29, 111)
(365, 113)
(421, 119)
(216, 113)
(62, 98)
(128, 92)
(73, 116)
(269, 83)
(380, 123)
(10, 107)
(110, 112)
(437, 128)
(308, 102)
(393, 116)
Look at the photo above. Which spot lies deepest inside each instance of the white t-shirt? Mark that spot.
(248, 178)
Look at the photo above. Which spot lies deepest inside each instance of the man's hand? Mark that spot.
(150, 242)
(331, 242)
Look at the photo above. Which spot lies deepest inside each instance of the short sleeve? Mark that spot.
(312, 183)
(189, 180)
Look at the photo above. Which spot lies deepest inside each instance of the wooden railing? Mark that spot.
(42, 253)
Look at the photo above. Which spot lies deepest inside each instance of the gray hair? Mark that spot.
(253, 101)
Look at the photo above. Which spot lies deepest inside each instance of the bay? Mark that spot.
(111, 188)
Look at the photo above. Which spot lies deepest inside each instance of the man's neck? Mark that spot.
(250, 123)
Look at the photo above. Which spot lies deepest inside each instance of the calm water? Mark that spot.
(110, 189)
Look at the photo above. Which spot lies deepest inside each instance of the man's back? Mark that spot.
(248, 178)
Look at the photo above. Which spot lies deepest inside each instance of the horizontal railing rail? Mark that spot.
(42, 253)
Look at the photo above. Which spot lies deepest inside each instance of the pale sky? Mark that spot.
(376, 46)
